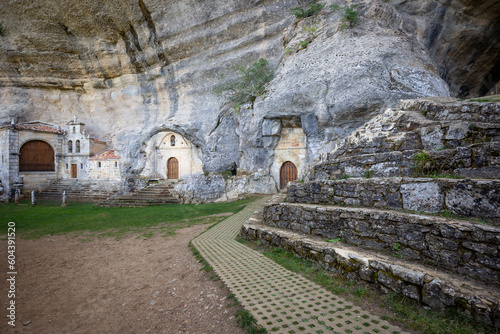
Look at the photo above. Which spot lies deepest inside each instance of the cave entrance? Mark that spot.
(288, 173)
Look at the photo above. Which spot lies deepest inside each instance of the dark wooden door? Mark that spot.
(74, 171)
(36, 156)
(173, 168)
(288, 173)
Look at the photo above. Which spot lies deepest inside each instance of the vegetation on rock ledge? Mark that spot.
(349, 16)
(313, 9)
(249, 83)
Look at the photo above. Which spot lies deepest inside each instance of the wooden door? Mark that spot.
(36, 156)
(288, 173)
(173, 168)
(74, 171)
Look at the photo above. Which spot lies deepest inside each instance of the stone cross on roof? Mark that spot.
(75, 118)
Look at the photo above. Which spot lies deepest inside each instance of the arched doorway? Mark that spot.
(36, 156)
(173, 168)
(288, 173)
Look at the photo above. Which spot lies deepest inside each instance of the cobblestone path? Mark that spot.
(280, 300)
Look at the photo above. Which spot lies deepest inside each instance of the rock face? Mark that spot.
(132, 69)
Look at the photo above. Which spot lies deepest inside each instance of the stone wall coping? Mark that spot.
(475, 198)
(402, 180)
(425, 219)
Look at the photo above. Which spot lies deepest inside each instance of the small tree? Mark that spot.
(313, 9)
(249, 83)
(2, 29)
(349, 16)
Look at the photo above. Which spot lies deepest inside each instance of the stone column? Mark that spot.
(17, 196)
(64, 199)
(33, 198)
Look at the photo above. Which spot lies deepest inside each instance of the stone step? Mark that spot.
(463, 197)
(135, 203)
(466, 247)
(145, 200)
(462, 147)
(153, 194)
(451, 109)
(425, 284)
(77, 189)
(404, 137)
(480, 160)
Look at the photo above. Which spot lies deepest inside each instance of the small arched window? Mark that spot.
(70, 146)
(77, 146)
(74, 129)
(172, 141)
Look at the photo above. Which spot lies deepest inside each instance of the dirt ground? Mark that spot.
(130, 285)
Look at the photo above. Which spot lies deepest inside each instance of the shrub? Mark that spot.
(310, 29)
(249, 83)
(349, 16)
(2, 29)
(424, 164)
(226, 174)
(343, 176)
(368, 174)
(313, 9)
(304, 44)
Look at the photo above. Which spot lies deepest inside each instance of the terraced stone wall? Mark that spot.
(435, 291)
(469, 249)
(480, 160)
(475, 198)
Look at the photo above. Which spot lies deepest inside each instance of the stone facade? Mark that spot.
(292, 146)
(475, 198)
(72, 149)
(161, 148)
(104, 166)
(78, 147)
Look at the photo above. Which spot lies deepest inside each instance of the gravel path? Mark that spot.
(114, 286)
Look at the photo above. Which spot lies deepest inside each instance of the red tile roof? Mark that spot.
(39, 127)
(105, 155)
(98, 140)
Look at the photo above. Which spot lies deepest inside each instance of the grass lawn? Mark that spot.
(86, 220)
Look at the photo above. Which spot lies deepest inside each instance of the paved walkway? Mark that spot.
(280, 300)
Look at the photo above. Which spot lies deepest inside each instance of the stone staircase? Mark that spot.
(89, 191)
(460, 139)
(371, 213)
(154, 194)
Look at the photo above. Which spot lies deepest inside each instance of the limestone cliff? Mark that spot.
(132, 68)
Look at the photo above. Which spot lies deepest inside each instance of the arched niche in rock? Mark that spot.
(169, 146)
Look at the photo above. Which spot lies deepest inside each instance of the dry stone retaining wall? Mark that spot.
(476, 198)
(452, 110)
(469, 249)
(428, 287)
(480, 160)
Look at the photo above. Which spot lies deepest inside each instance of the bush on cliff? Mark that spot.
(313, 9)
(247, 85)
(349, 16)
